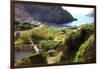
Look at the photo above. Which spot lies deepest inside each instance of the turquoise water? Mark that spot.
(81, 19)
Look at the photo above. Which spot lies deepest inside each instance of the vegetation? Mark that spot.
(49, 44)
(23, 38)
(66, 46)
(25, 25)
(74, 41)
(81, 54)
(19, 62)
(22, 26)
(37, 59)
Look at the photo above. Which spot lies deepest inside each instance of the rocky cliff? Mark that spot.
(42, 13)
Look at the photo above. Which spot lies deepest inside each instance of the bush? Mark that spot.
(83, 53)
(22, 26)
(19, 42)
(48, 44)
(24, 38)
(22, 62)
(40, 33)
(19, 63)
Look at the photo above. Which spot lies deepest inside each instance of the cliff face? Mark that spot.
(49, 14)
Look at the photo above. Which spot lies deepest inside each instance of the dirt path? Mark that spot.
(54, 59)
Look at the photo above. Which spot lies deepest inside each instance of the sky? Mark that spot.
(78, 10)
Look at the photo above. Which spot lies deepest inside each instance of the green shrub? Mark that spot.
(22, 26)
(48, 44)
(19, 42)
(19, 62)
(81, 54)
(22, 62)
(42, 34)
(24, 38)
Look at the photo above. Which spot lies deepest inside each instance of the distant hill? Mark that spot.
(91, 14)
(48, 14)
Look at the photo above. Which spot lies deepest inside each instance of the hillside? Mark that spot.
(91, 14)
(45, 14)
(57, 46)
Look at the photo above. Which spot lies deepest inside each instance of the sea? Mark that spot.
(81, 19)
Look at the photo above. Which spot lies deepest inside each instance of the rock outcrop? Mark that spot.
(42, 13)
